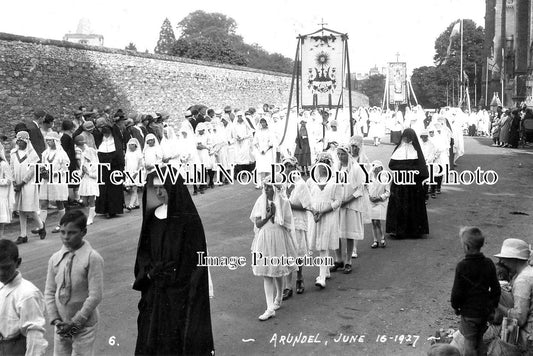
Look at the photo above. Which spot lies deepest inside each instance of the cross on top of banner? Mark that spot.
(397, 56)
(323, 23)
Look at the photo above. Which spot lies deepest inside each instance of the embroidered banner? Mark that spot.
(398, 83)
(322, 71)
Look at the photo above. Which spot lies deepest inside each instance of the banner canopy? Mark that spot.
(397, 83)
(322, 75)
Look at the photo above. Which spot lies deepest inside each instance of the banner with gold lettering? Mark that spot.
(322, 70)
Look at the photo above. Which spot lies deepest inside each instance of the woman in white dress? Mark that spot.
(274, 229)
(23, 160)
(188, 155)
(88, 161)
(300, 201)
(264, 150)
(325, 202)
(54, 188)
(377, 126)
(6, 191)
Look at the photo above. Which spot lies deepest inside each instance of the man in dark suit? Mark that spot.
(36, 136)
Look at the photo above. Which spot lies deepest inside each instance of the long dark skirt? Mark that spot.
(395, 137)
(111, 199)
(303, 152)
(406, 212)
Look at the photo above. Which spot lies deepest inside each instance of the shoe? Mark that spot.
(202, 192)
(354, 253)
(56, 230)
(383, 243)
(35, 231)
(438, 191)
(300, 286)
(347, 269)
(267, 315)
(337, 266)
(129, 208)
(136, 207)
(277, 304)
(320, 282)
(374, 244)
(194, 193)
(21, 240)
(42, 233)
(287, 293)
(434, 196)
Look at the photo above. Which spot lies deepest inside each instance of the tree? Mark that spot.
(212, 37)
(373, 87)
(166, 38)
(429, 83)
(131, 47)
(201, 23)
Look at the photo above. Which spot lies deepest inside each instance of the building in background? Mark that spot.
(84, 35)
(509, 52)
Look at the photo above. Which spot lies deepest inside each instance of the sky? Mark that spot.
(377, 29)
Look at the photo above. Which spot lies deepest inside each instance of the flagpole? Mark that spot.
(461, 89)
(453, 92)
(475, 84)
(487, 83)
(447, 100)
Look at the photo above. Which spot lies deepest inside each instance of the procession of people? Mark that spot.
(317, 215)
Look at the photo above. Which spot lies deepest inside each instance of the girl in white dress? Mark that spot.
(169, 145)
(325, 202)
(351, 228)
(6, 191)
(273, 227)
(379, 197)
(23, 160)
(134, 165)
(88, 162)
(57, 189)
(300, 201)
(152, 153)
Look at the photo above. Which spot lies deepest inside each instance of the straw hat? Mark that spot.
(514, 248)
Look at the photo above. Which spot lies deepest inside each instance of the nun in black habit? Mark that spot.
(174, 313)
(406, 212)
(108, 140)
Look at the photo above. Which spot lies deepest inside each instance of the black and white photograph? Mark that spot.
(280, 177)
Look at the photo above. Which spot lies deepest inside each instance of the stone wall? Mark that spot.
(60, 76)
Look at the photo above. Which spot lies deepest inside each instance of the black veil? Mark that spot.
(421, 161)
(174, 311)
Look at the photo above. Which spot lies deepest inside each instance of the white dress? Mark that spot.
(264, 141)
(134, 166)
(274, 239)
(88, 185)
(324, 234)
(6, 193)
(378, 210)
(23, 168)
(299, 194)
(243, 136)
(351, 216)
(55, 191)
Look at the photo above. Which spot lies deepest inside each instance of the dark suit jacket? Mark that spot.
(36, 137)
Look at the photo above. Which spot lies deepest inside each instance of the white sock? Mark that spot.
(269, 292)
(23, 224)
(43, 215)
(60, 214)
(133, 199)
(92, 213)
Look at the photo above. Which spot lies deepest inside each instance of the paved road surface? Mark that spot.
(401, 290)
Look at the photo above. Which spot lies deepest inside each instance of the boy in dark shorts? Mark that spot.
(475, 292)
